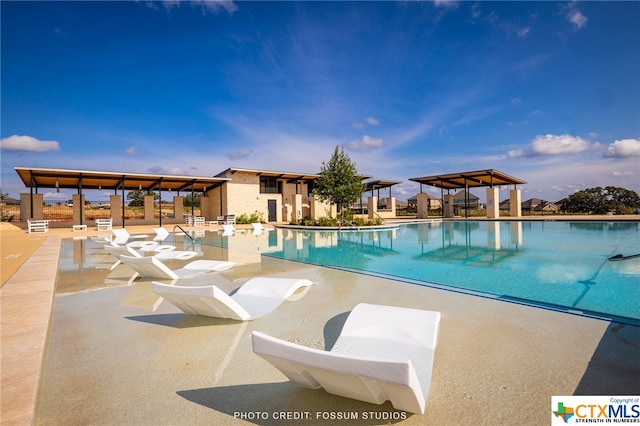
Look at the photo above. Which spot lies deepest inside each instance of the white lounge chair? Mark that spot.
(152, 267)
(138, 250)
(161, 234)
(259, 227)
(256, 298)
(383, 353)
(122, 236)
(229, 229)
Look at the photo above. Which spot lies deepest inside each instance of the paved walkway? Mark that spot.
(29, 264)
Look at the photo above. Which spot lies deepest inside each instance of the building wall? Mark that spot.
(242, 196)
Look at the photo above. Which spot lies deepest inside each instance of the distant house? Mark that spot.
(10, 201)
(434, 203)
(465, 199)
(536, 204)
(385, 203)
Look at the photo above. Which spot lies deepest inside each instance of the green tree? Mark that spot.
(602, 201)
(339, 182)
(4, 217)
(192, 200)
(137, 197)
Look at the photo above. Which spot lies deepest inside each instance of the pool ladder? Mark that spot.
(353, 225)
(184, 232)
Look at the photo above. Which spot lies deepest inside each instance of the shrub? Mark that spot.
(255, 217)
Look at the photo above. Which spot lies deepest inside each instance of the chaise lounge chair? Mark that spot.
(162, 251)
(383, 353)
(256, 298)
(229, 229)
(161, 234)
(259, 227)
(152, 267)
(121, 236)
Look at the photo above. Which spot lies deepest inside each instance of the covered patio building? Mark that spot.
(491, 179)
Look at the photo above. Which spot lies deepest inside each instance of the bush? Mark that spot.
(335, 222)
(255, 217)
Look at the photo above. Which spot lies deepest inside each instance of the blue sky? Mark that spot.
(548, 92)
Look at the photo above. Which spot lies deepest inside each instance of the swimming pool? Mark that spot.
(557, 265)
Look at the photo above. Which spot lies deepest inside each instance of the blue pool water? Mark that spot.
(559, 265)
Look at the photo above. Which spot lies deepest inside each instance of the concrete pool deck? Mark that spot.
(161, 367)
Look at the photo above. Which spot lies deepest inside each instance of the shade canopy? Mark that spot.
(475, 179)
(380, 184)
(272, 174)
(83, 179)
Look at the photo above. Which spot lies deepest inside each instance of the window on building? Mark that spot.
(270, 185)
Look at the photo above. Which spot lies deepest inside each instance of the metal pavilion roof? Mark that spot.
(34, 177)
(474, 179)
(269, 173)
(380, 184)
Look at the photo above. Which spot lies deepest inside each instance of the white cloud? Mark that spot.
(575, 16)
(516, 153)
(206, 5)
(173, 171)
(623, 173)
(28, 143)
(522, 32)
(551, 145)
(366, 143)
(624, 148)
(131, 150)
(373, 121)
(240, 154)
(449, 4)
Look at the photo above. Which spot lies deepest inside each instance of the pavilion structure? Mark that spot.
(491, 179)
(373, 209)
(81, 180)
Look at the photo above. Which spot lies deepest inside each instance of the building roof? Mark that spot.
(472, 179)
(380, 184)
(34, 177)
(270, 173)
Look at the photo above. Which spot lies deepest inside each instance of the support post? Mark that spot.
(493, 204)
(515, 205)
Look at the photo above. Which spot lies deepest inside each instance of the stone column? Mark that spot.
(297, 207)
(115, 203)
(205, 207)
(78, 209)
(515, 205)
(25, 207)
(148, 208)
(178, 207)
(372, 206)
(448, 205)
(422, 206)
(493, 203)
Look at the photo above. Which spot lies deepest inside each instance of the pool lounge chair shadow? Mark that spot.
(180, 320)
(614, 367)
(266, 403)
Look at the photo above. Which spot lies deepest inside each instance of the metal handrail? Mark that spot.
(353, 225)
(183, 231)
(381, 218)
